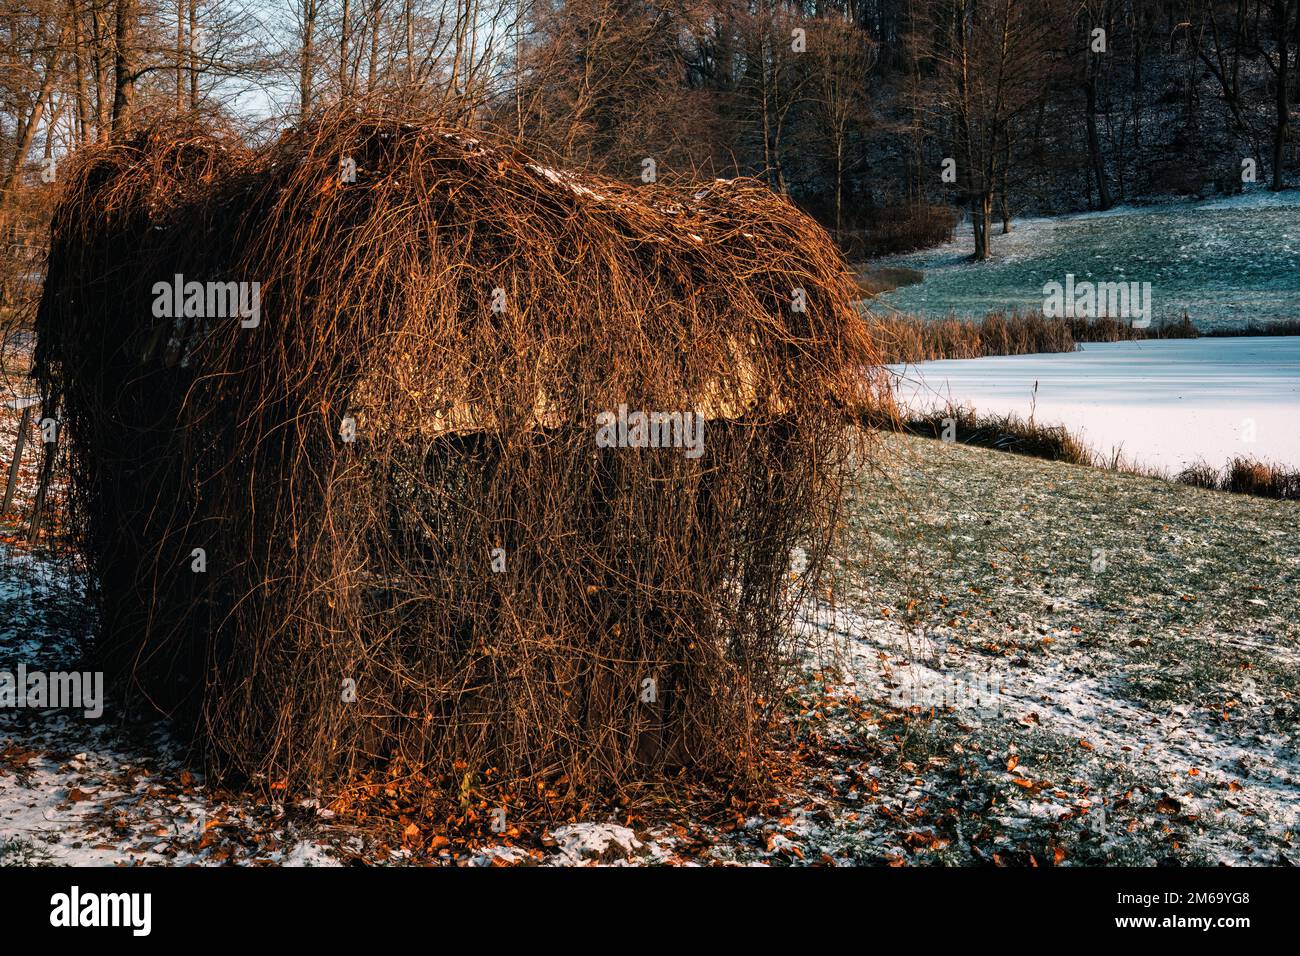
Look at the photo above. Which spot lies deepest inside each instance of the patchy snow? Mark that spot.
(1194, 766)
(83, 792)
(568, 180)
(1224, 262)
(130, 802)
(983, 692)
(579, 843)
(1078, 642)
(1167, 403)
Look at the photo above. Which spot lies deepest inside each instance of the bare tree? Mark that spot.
(1274, 46)
(839, 59)
(989, 58)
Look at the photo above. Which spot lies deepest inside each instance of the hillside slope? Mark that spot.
(1225, 262)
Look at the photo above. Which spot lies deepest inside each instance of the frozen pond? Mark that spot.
(1166, 402)
(1224, 262)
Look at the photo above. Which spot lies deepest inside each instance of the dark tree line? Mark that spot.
(870, 113)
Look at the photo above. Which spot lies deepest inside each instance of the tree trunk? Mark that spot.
(987, 216)
(345, 34)
(1104, 200)
(981, 209)
(180, 56)
(79, 66)
(99, 46)
(1005, 174)
(1282, 101)
(839, 189)
(123, 66)
(408, 16)
(194, 56)
(376, 12)
(307, 64)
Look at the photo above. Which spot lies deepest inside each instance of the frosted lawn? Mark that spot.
(1224, 262)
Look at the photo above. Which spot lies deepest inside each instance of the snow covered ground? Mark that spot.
(1028, 663)
(1224, 262)
(101, 792)
(1165, 403)
(1081, 665)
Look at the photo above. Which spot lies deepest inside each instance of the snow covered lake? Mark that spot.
(1224, 262)
(1166, 403)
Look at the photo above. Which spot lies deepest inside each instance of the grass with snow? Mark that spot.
(1225, 262)
(1070, 643)
(1032, 663)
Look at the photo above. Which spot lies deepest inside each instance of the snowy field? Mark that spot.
(1165, 403)
(1224, 262)
(1095, 667)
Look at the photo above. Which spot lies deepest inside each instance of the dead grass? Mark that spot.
(1245, 476)
(1002, 432)
(1109, 329)
(908, 339)
(1274, 327)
